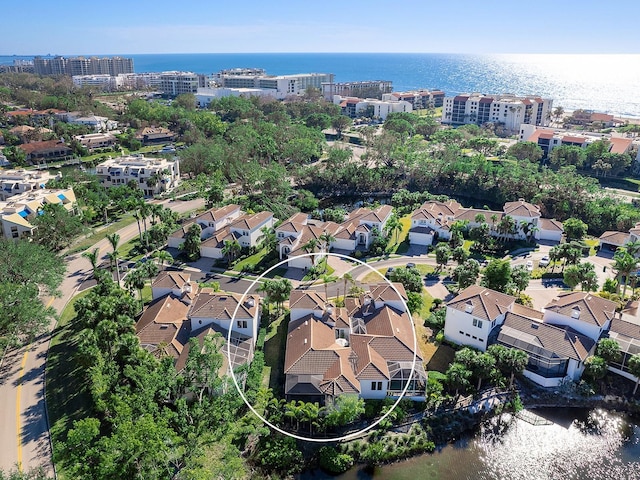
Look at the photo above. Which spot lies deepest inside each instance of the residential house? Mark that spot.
(625, 331)
(245, 229)
(585, 312)
(296, 235)
(15, 182)
(152, 175)
(474, 313)
(96, 122)
(557, 340)
(46, 151)
(434, 218)
(17, 212)
(365, 348)
(355, 232)
(549, 138)
(554, 353)
(28, 134)
(224, 224)
(153, 135)
(172, 319)
(92, 141)
(611, 240)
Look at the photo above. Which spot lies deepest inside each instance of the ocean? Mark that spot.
(604, 83)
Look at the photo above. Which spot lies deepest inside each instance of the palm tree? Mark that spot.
(310, 247)
(92, 256)
(136, 280)
(348, 278)
(458, 376)
(163, 257)
(394, 227)
(633, 248)
(114, 240)
(516, 361)
(624, 264)
(231, 249)
(494, 220)
(268, 240)
(325, 240)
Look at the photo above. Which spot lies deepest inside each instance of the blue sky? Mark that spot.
(221, 26)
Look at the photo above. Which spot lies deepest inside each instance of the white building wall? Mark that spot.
(590, 330)
(344, 244)
(472, 336)
(367, 392)
(552, 235)
(420, 238)
(211, 252)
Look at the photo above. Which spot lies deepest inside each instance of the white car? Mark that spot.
(529, 265)
(544, 261)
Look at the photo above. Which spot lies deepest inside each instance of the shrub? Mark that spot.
(333, 462)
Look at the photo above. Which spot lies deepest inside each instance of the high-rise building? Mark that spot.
(82, 66)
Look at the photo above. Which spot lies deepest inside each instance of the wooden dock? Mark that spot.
(532, 418)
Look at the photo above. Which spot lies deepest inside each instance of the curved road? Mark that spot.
(24, 433)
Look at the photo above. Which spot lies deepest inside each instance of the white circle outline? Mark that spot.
(332, 439)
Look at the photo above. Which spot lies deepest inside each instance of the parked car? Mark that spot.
(544, 261)
(411, 265)
(529, 265)
(390, 270)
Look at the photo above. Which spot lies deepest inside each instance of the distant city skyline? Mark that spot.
(464, 26)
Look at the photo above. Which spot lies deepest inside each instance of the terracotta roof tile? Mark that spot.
(593, 309)
(484, 303)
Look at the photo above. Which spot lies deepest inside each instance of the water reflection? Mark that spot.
(578, 445)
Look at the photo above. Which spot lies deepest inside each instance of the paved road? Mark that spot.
(24, 434)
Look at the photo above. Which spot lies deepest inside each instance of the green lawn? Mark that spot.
(274, 348)
(401, 243)
(98, 235)
(66, 394)
(254, 259)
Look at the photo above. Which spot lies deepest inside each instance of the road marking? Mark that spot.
(19, 391)
(50, 302)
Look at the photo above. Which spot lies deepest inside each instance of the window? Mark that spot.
(376, 385)
(460, 332)
(477, 323)
(242, 324)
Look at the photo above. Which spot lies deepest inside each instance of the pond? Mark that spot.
(577, 444)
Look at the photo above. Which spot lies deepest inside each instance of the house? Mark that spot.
(28, 134)
(151, 175)
(549, 138)
(153, 135)
(557, 339)
(92, 141)
(218, 308)
(18, 211)
(15, 182)
(354, 107)
(365, 348)
(245, 229)
(585, 312)
(176, 283)
(96, 122)
(180, 310)
(555, 353)
(474, 313)
(355, 232)
(611, 240)
(627, 333)
(224, 224)
(433, 220)
(295, 236)
(46, 151)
